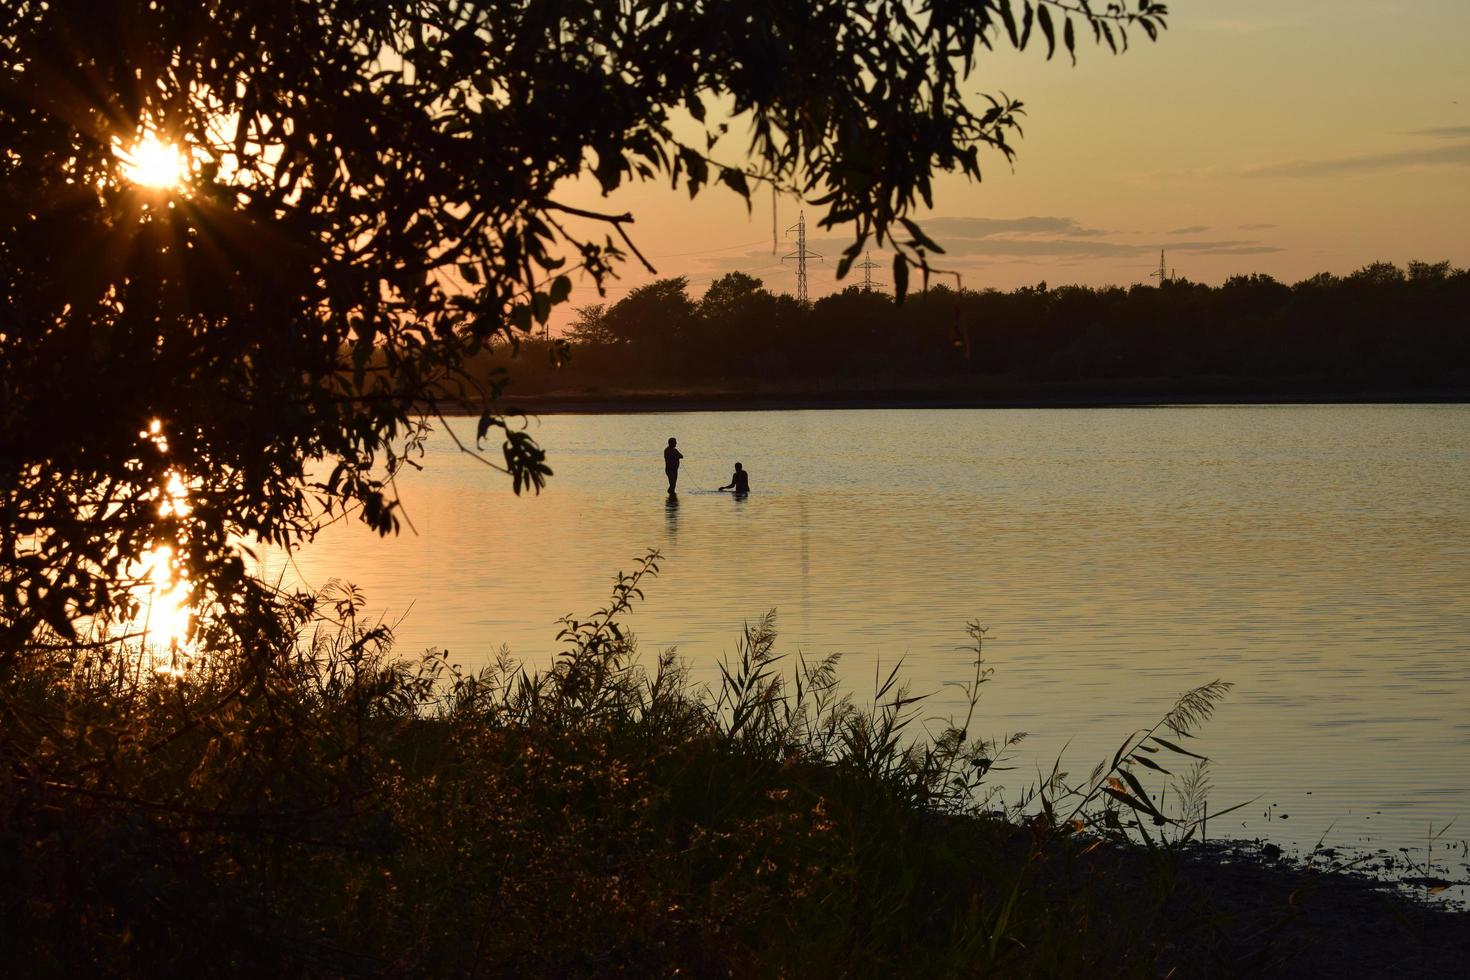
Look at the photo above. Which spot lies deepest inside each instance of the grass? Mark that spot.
(315, 807)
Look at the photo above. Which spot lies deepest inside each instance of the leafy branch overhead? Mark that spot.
(375, 194)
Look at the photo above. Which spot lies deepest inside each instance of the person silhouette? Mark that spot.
(739, 481)
(671, 462)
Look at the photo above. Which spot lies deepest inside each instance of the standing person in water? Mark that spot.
(671, 462)
(739, 481)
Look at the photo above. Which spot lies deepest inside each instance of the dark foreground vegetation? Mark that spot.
(319, 809)
(1381, 332)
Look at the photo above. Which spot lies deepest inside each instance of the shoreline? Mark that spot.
(1289, 914)
(655, 401)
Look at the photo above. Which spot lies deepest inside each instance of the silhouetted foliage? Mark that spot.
(372, 198)
(652, 316)
(327, 810)
(1377, 332)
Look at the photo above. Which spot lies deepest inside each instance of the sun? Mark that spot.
(151, 162)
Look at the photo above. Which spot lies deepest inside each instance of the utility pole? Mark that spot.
(868, 265)
(800, 255)
(1163, 272)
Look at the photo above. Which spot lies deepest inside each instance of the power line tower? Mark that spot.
(800, 255)
(868, 265)
(1163, 273)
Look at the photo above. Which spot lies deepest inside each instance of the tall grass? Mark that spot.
(317, 807)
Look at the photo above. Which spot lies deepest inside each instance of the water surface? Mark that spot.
(1316, 556)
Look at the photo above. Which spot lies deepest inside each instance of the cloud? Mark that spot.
(940, 228)
(1037, 240)
(1443, 132)
(1084, 248)
(1032, 246)
(1256, 227)
(1226, 248)
(1454, 155)
(1450, 149)
(1071, 244)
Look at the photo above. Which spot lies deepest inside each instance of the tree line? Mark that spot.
(1380, 330)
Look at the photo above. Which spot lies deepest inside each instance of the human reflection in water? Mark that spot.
(671, 516)
(739, 481)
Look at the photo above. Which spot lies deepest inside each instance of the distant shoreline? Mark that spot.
(631, 402)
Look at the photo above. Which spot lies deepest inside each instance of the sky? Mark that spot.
(1257, 136)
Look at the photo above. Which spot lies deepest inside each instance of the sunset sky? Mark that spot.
(1257, 136)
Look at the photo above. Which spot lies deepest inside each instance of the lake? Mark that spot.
(1316, 556)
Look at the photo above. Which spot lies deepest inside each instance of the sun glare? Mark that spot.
(163, 590)
(167, 610)
(150, 162)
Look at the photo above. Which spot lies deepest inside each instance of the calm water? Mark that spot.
(1318, 557)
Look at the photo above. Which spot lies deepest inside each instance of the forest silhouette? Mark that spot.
(1382, 330)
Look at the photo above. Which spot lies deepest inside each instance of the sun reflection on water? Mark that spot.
(167, 610)
(163, 590)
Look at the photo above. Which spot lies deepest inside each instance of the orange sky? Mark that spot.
(1256, 136)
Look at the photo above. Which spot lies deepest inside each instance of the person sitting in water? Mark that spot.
(739, 482)
(671, 462)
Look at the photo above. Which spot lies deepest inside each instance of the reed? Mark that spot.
(319, 807)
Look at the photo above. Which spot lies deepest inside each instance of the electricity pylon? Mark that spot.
(800, 255)
(1163, 273)
(868, 265)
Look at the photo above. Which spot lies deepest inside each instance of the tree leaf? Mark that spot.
(1009, 18)
(735, 180)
